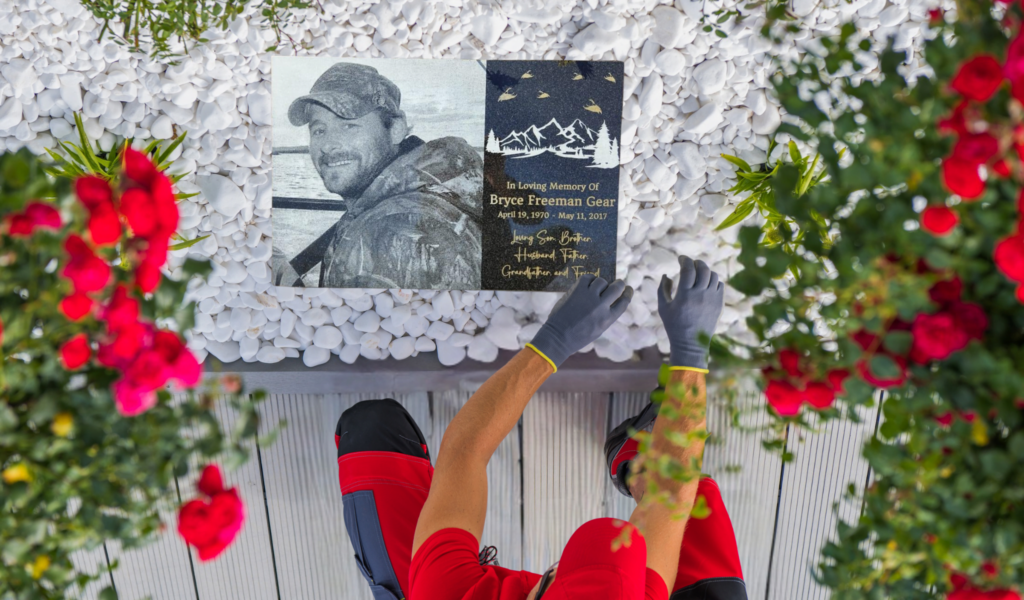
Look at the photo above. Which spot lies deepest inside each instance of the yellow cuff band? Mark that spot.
(544, 356)
(695, 369)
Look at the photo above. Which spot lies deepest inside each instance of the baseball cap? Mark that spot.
(349, 91)
(589, 568)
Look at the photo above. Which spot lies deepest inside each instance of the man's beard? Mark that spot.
(347, 166)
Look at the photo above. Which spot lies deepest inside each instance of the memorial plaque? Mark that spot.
(444, 174)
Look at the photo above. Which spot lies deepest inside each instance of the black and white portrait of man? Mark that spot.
(362, 201)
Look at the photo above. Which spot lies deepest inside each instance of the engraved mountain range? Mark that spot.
(576, 140)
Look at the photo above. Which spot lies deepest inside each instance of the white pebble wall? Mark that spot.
(690, 96)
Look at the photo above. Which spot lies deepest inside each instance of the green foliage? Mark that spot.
(156, 24)
(943, 499)
(76, 472)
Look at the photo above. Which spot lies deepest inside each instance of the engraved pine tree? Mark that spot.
(492, 145)
(605, 156)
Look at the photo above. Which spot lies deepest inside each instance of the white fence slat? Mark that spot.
(503, 525)
(563, 471)
(92, 562)
(159, 570)
(825, 464)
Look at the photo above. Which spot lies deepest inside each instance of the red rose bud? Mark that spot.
(936, 337)
(945, 292)
(970, 318)
(783, 397)
(19, 225)
(92, 191)
(138, 167)
(1009, 257)
(935, 16)
(962, 178)
(86, 271)
(76, 306)
(975, 148)
(945, 419)
(43, 215)
(978, 78)
(837, 379)
(104, 226)
(75, 352)
(211, 482)
(939, 220)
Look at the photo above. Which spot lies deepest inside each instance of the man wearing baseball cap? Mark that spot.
(416, 528)
(413, 207)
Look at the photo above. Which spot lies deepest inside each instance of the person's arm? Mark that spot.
(690, 318)
(458, 492)
(661, 527)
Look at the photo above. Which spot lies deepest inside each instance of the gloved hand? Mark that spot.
(694, 310)
(581, 317)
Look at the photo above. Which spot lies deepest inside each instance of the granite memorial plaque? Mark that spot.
(444, 174)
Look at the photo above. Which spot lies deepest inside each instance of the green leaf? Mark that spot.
(742, 212)
(700, 510)
(898, 342)
(739, 162)
(884, 367)
(162, 157)
(794, 152)
(188, 244)
(108, 593)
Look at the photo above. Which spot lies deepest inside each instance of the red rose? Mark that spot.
(945, 292)
(104, 226)
(19, 225)
(121, 310)
(147, 276)
(1020, 293)
(137, 207)
(975, 148)
(138, 167)
(1013, 68)
(783, 397)
(970, 318)
(147, 371)
(43, 215)
(837, 378)
(1001, 168)
(128, 341)
(790, 361)
(1009, 256)
(956, 122)
(935, 16)
(978, 78)
(76, 306)
(864, 368)
(165, 204)
(945, 419)
(93, 190)
(962, 178)
(989, 568)
(819, 395)
(211, 525)
(132, 400)
(180, 363)
(75, 352)
(936, 337)
(86, 271)
(865, 339)
(939, 220)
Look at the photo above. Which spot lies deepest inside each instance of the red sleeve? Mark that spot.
(447, 567)
(655, 588)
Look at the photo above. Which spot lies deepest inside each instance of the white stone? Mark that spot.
(314, 317)
(710, 76)
(488, 27)
(341, 314)
(670, 62)
(327, 337)
(482, 349)
(670, 26)
(10, 114)
(270, 354)
(248, 348)
(425, 344)
(402, 347)
(439, 330)
(705, 120)
(223, 195)
(443, 304)
(314, 356)
(768, 121)
(288, 320)
(689, 160)
(503, 329)
(400, 314)
(448, 354)
(368, 322)
(226, 352)
(349, 354)
(212, 117)
(259, 108)
(416, 325)
(594, 41)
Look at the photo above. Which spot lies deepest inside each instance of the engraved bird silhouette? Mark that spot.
(543, 94)
(577, 77)
(506, 95)
(610, 77)
(593, 107)
(526, 75)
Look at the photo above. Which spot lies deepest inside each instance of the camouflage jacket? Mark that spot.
(416, 226)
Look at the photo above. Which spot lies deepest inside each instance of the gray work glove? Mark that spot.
(693, 311)
(581, 317)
